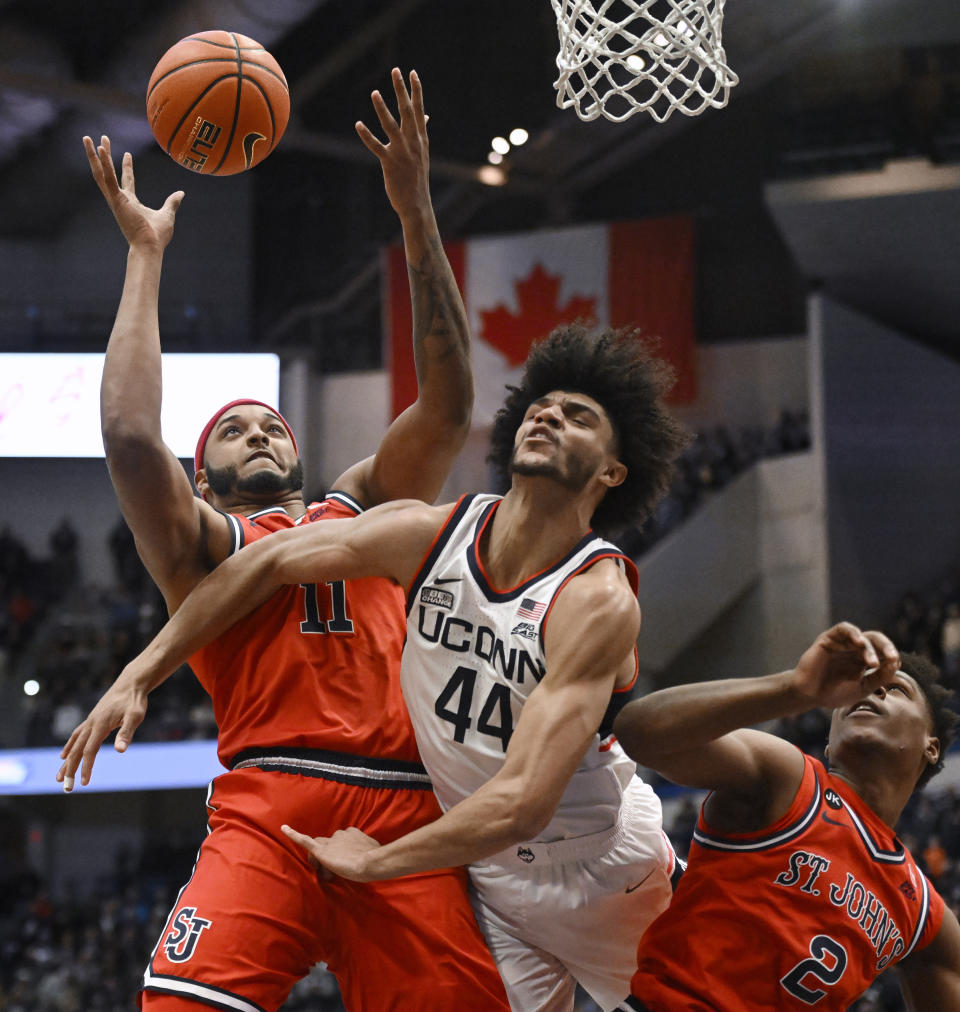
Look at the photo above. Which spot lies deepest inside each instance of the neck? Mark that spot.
(290, 502)
(885, 791)
(536, 524)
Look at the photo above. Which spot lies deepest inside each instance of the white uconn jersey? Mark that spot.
(473, 655)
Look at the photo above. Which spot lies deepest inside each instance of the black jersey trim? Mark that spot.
(500, 597)
(237, 533)
(922, 918)
(205, 994)
(439, 543)
(896, 856)
(340, 767)
(148, 972)
(769, 840)
(345, 499)
(265, 513)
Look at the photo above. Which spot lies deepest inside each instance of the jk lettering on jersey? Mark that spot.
(185, 930)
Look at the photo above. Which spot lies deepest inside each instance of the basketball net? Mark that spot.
(618, 57)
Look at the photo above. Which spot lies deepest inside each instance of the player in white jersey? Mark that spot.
(521, 634)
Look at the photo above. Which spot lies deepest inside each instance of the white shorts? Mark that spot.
(573, 911)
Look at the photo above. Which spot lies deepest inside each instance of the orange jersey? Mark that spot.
(316, 666)
(804, 913)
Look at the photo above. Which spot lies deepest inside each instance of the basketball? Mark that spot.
(217, 103)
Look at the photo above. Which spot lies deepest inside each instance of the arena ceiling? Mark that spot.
(486, 67)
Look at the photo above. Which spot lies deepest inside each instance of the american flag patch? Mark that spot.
(531, 609)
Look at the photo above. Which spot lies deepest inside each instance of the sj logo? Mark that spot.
(184, 934)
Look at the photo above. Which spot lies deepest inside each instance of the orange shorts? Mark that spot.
(254, 916)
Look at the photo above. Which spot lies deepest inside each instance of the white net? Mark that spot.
(618, 57)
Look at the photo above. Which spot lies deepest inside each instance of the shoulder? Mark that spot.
(932, 970)
(603, 588)
(597, 609)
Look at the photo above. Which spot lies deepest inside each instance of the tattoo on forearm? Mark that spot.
(439, 320)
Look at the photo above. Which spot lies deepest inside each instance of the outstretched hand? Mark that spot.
(141, 226)
(405, 158)
(344, 854)
(124, 706)
(845, 664)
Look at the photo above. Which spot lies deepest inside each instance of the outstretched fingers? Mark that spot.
(390, 126)
(172, 204)
(416, 98)
(126, 174)
(299, 838)
(404, 105)
(308, 843)
(370, 142)
(72, 755)
(101, 166)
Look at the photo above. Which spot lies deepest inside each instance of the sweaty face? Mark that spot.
(564, 436)
(250, 453)
(896, 717)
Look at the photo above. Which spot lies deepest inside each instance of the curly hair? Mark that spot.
(619, 370)
(927, 675)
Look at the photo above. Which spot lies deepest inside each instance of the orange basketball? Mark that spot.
(217, 103)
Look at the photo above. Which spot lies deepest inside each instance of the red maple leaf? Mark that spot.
(512, 333)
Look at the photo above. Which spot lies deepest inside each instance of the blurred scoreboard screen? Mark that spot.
(50, 404)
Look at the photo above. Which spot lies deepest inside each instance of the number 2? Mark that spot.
(820, 947)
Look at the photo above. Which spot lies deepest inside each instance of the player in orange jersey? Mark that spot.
(306, 691)
(798, 893)
(521, 646)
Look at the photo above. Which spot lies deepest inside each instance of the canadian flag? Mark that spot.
(517, 288)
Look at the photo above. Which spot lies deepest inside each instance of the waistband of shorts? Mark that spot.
(577, 848)
(341, 767)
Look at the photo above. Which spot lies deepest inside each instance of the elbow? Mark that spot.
(629, 731)
(452, 420)
(526, 824)
(460, 415)
(281, 562)
(525, 816)
(450, 405)
(124, 441)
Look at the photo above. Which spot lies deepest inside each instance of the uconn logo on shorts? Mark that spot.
(184, 933)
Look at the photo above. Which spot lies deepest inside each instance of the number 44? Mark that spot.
(459, 691)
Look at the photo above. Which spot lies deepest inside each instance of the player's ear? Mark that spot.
(932, 751)
(614, 474)
(201, 483)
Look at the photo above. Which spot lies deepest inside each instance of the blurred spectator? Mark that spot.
(14, 563)
(63, 567)
(935, 859)
(127, 567)
(950, 641)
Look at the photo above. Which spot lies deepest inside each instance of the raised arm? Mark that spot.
(176, 534)
(389, 541)
(590, 638)
(416, 453)
(698, 734)
(930, 977)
